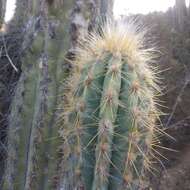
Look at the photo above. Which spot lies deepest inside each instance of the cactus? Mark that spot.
(109, 131)
(33, 138)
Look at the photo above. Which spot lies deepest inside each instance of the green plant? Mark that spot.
(109, 129)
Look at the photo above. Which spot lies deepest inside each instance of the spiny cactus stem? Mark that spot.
(114, 100)
(108, 113)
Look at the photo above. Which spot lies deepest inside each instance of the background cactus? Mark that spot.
(32, 133)
(109, 128)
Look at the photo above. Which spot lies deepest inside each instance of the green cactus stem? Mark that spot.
(109, 124)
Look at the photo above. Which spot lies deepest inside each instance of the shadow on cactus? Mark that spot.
(109, 130)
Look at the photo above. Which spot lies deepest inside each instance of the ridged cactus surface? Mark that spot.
(109, 129)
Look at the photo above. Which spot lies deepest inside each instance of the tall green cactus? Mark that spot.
(109, 128)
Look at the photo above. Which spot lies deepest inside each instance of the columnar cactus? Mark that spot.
(33, 138)
(109, 128)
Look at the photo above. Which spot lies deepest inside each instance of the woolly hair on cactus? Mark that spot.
(109, 132)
